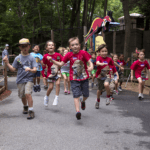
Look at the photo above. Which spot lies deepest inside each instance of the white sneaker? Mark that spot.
(55, 102)
(108, 100)
(46, 100)
(119, 88)
(142, 95)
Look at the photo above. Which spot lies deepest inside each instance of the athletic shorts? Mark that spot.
(143, 78)
(55, 78)
(66, 73)
(37, 74)
(80, 88)
(93, 71)
(24, 88)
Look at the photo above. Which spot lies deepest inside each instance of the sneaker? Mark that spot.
(65, 92)
(31, 115)
(117, 93)
(35, 88)
(55, 102)
(140, 96)
(92, 85)
(46, 99)
(119, 88)
(45, 87)
(25, 109)
(108, 100)
(83, 105)
(97, 105)
(111, 98)
(78, 115)
(38, 88)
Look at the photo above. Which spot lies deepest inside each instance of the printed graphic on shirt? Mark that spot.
(104, 72)
(54, 71)
(25, 65)
(79, 70)
(39, 66)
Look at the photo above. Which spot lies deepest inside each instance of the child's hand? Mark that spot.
(5, 59)
(128, 59)
(27, 69)
(122, 68)
(49, 58)
(117, 77)
(103, 64)
(131, 78)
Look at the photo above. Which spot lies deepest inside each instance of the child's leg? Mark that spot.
(116, 85)
(57, 86)
(44, 81)
(68, 78)
(77, 104)
(106, 84)
(99, 93)
(50, 88)
(34, 80)
(65, 82)
(143, 84)
(140, 85)
(38, 80)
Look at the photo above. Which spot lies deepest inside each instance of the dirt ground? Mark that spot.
(134, 87)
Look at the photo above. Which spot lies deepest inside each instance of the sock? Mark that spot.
(108, 96)
(30, 108)
(98, 99)
(25, 106)
(56, 96)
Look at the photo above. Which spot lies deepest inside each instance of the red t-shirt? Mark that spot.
(78, 65)
(138, 67)
(55, 56)
(121, 62)
(107, 60)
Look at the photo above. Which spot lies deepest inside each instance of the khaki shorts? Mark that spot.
(101, 84)
(24, 88)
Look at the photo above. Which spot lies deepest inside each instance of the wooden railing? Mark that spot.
(3, 78)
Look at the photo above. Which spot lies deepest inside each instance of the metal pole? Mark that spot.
(114, 42)
(85, 32)
(52, 35)
(93, 42)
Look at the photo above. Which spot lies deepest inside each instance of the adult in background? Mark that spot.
(5, 53)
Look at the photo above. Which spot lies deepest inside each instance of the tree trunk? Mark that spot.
(59, 22)
(105, 8)
(92, 11)
(127, 27)
(147, 24)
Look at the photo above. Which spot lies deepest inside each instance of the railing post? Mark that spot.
(5, 75)
(114, 42)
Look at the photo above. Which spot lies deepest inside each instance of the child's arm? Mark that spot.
(131, 75)
(59, 64)
(128, 59)
(11, 68)
(90, 67)
(34, 70)
(116, 64)
(100, 64)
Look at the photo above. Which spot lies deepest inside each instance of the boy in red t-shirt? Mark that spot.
(104, 64)
(139, 66)
(78, 72)
(53, 73)
(122, 63)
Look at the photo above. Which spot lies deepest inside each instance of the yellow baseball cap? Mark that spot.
(23, 41)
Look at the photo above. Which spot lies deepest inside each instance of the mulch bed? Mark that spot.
(5, 94)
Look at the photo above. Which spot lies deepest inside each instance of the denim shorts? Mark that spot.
(37, 74)
(80, 88)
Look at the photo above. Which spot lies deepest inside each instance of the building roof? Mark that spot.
(133, 15)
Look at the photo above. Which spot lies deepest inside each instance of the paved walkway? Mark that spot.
(123, 125)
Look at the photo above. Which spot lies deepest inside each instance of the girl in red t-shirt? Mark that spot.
(53, 73)
(140, 67)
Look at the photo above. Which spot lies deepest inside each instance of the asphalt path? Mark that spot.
(123, 125)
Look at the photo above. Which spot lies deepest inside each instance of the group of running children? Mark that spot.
(77, 67)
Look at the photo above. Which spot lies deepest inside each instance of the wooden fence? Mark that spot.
(3, 78)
